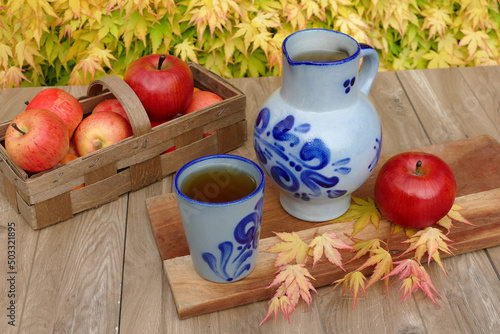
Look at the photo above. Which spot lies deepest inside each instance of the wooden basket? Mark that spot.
(46, 198)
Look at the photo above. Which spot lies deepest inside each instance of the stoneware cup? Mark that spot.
(222, 237)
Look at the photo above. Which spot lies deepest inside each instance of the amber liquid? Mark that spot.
(218, 185)
(321, 56)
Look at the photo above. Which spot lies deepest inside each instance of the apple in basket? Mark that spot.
(202, 99)
(100, 130)
(163, 83)
(111, 105)
(36, 140)
(60, 102)
(415, 189)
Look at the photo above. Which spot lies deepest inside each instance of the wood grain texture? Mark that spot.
(78, 260)
(446, 105)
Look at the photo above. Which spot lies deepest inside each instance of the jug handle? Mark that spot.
(369, 68)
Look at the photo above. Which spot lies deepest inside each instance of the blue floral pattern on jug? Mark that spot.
(348, 84)
(246, 234)
(289, 171)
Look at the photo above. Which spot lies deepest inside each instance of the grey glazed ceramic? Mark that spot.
(222, 237)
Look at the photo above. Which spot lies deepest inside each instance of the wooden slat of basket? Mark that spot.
(99, 193)
(230, 136)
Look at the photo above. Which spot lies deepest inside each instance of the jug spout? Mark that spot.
(321, 69)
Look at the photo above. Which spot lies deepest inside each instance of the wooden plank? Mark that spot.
(445, 105)
(478, 191)
(397, 116)
(143, 295)
(484, 81)
(14, 232)
(75, 281)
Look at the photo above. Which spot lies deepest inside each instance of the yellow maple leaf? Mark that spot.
(292, 248)
(363, 212)
(328, 243)
(382, 260)
(355, 280)
(5, 54)
(455, 215)
(441, 59)
(436, 20)
(12, 76)
(474, 39)
(364, 246)
(430, 240)
(446, 223)
(186, 51)
(87, 66)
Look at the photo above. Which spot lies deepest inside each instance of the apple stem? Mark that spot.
(26, 102)
(14, 125)
(417, 169)
(160, 62)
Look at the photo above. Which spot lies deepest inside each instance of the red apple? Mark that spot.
(415, 189)
(36, 140)
(100, 130)
(72, 147)
(163, 83)
(111, 105)
(60, 102)
(202, 99)
(156, 123)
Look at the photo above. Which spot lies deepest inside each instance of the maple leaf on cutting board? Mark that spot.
(363, 247)
(362, 212)
(430, 240)
(292, 248)
(328, 243)
(413, 276)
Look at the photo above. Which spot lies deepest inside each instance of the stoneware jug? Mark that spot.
(318, 137)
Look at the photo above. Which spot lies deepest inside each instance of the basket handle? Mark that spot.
(136, 113)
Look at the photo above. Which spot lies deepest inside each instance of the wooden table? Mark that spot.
(100, 272)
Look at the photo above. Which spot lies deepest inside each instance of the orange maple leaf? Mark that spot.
(430, 240)
(413, 276)
(382, 260)
(355, 280)
(294, 281)
(292, 248)
(279, 302)
(328, 243)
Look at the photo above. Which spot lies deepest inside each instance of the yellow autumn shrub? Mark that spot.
(47, 42)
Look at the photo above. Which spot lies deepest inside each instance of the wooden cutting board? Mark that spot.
(475, 163)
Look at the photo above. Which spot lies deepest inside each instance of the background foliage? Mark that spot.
(59, 42)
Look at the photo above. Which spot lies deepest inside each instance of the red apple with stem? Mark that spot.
(415, 189)
(100, 130)
(36, 140)
(163, 83)
(111, 105)
(60, 102)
